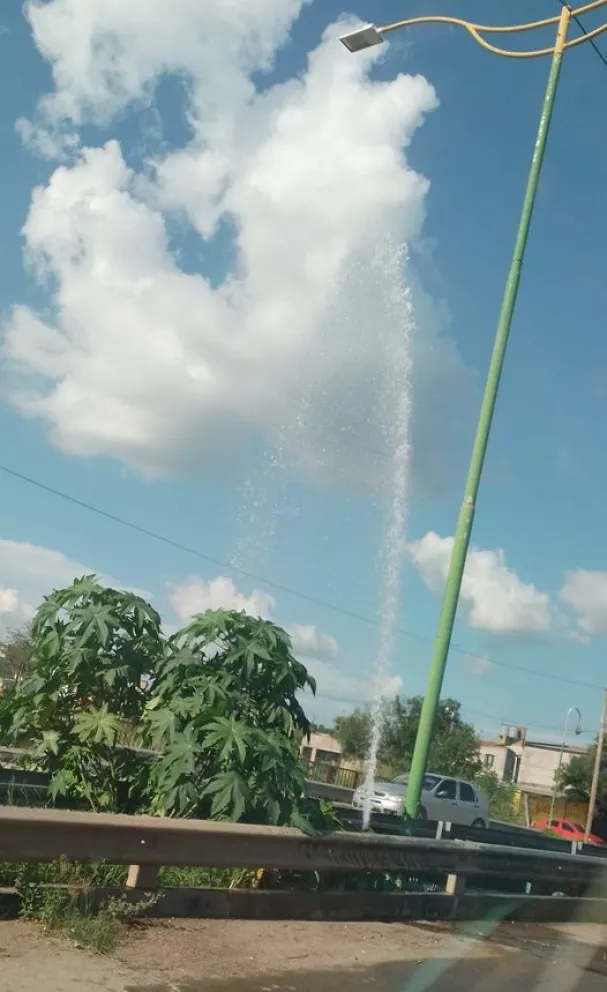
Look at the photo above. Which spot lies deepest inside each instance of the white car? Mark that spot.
(443, 798)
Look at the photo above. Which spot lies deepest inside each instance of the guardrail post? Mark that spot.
(142, 877)
(456, 885)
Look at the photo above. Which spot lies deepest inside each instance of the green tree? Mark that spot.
(576, 776)
(353, 731)
(226, 719)
(320, 728)
(16, 653)
(501, 797)
(92, 649)
(455, 747)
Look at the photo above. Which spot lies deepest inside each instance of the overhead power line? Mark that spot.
(279, 586)
(592, 42)
(357, 702)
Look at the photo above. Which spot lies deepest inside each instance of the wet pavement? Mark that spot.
(518, 959)
(241, 956)
(518, 974)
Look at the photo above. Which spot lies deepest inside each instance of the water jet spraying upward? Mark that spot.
(396, 431)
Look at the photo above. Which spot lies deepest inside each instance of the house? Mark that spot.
(529, 764)
(321, 747)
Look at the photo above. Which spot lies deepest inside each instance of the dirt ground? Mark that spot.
(238, 956)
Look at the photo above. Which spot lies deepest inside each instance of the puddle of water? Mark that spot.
(505, 972)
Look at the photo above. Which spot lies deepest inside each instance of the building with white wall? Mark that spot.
(321, 747)
(529, 764)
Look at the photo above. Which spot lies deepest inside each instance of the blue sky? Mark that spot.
(198, 342)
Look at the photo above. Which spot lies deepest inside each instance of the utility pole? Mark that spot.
(596, 772)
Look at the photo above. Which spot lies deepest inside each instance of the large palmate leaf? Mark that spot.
(97, 725)
(161, 727)
(227, 736)
(230, 794)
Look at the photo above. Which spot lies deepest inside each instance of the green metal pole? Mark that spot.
(466, 515)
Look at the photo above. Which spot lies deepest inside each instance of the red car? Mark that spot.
(568, 830)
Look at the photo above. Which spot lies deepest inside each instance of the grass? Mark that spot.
(73, 915)
(209, 878)
(56, 895)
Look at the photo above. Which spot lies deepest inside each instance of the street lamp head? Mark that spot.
(578, 727)
(364, 37)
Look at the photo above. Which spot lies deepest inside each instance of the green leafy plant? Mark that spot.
(93, 648)
(501, 796)
(216, 705)
(72, 913)
(226, 720)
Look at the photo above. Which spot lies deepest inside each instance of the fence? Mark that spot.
(539, 809)
(331, 774)
(147, 843)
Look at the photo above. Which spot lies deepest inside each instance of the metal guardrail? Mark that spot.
(146, 843)
(501, 834)
(40, 835)
(26, 788)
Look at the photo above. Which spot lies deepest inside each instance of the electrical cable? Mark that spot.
(593, 43)
(271, 583)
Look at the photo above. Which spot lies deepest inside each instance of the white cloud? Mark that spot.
(309, 641)
(495, 598)
(195, 595)
(295, 341)
(335, 683)
(12, 606)
(8, 600)
(46, 143)
(337, 686)
(585, 591)
(477, 665)
(108, 54)
(28, 572)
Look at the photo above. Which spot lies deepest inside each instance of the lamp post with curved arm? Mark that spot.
(557, 774)
(364, 38)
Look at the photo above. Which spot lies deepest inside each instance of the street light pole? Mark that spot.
(355, 41)
(557, 774)
(596, 771)
(461, 539)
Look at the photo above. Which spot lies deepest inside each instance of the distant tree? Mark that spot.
(576, 777)
(16, 654)
(353, 731)
(320, 728)
(455, 746)
(501, 796)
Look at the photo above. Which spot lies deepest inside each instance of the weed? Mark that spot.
(208, 878)
(57, 895)
(73, 914)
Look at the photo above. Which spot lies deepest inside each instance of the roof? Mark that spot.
(540, 745)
